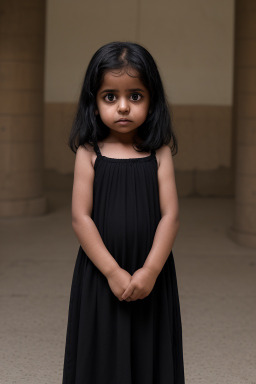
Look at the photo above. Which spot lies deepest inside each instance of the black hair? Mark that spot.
(87, 127)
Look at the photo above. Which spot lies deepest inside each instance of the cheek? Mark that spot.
(105, 112)
(143, 112)
(101, 107)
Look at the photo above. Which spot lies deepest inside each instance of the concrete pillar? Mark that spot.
(22, 39)
(243, 230)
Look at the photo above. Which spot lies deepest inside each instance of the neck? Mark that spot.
(123, 138)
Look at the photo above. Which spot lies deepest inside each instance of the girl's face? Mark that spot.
(122, 101)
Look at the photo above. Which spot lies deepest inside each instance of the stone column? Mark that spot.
(243, 230)
(22, 39)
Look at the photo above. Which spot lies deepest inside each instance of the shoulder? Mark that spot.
(83, 183)
(164, 155)
(164, 150)
(85, 155)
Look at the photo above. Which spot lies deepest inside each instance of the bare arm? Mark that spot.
(144, 278)
(82, 223)
(169, 224)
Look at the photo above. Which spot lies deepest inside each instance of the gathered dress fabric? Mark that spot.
(109, 341)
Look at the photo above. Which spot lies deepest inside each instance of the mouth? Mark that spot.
(123, 121)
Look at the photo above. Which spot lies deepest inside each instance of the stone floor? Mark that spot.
(216, 280)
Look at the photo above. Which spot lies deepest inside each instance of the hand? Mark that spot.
(118, 281)
(141, 284)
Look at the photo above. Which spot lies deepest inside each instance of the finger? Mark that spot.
(133, 296)
(128, 292)
(125, 292)
(126, 295)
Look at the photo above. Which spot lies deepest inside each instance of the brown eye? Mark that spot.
(109, 97)
(136, 96)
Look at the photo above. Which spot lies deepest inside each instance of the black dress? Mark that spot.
(119, 342)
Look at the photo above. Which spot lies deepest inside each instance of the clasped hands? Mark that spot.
(130, 288)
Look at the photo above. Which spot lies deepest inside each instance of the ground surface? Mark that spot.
(216, 281)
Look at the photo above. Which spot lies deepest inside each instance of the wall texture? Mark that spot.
(192, 43)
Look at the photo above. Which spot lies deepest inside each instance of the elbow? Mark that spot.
(78, 219)
(175, 221)
(175, 225)
(74, 220)
(74, 224)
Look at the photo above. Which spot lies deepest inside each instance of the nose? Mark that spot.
(123, 106)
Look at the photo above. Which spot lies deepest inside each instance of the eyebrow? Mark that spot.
(129, 90)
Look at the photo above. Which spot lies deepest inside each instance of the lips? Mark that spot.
(123, 120)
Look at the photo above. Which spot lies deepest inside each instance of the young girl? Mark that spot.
(124, 324)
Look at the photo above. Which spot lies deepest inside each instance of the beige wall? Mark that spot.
(192, 42)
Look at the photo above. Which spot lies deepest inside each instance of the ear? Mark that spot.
(96, 112)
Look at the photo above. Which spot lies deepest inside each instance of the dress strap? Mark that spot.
(153, 152)
(97, 150)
